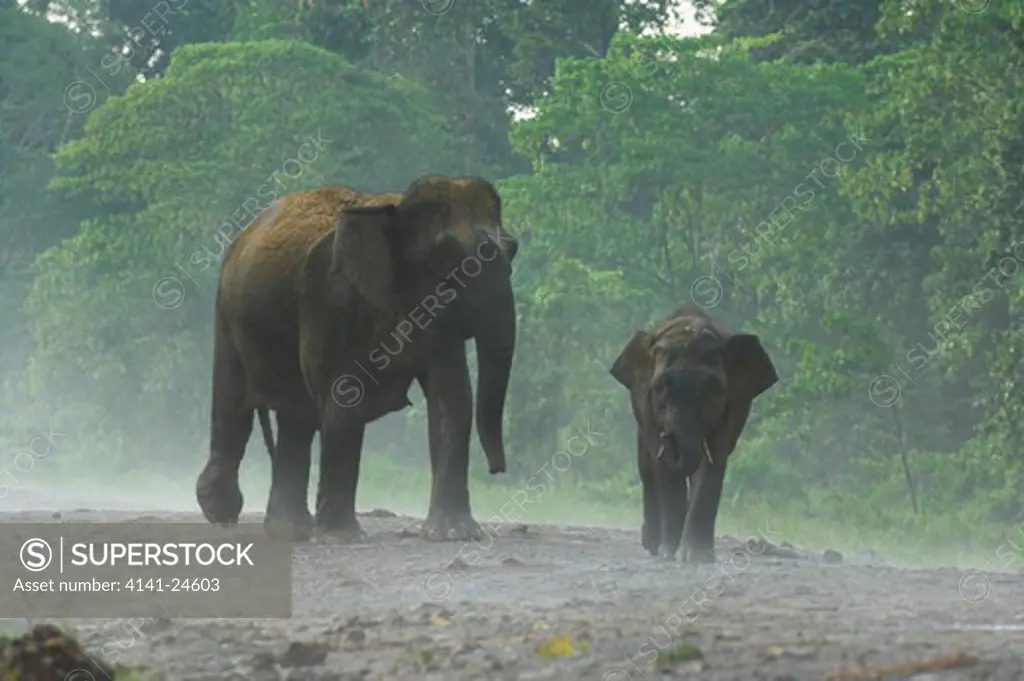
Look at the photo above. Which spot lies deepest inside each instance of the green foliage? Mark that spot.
(842, 179)
(169, 161)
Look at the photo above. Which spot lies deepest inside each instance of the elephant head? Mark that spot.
(441, 247)
(692, 383)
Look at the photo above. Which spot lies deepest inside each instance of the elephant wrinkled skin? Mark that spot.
(691, 383)
(330, 303)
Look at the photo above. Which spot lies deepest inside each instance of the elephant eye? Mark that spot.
(663, 383)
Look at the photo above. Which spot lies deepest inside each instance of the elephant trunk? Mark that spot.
(682, 449)
(495, 333)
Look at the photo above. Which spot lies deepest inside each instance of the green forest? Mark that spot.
(844, 178)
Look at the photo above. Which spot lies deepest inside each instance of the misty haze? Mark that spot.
(562, 340)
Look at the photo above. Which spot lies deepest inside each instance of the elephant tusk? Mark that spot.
(707, 451)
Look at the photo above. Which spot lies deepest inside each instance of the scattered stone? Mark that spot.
(263, 661)
(457, 564)
(832, 557)
(380, 513)
(759, 546)
(304, 654)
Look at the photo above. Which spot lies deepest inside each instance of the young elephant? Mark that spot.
(691, 383)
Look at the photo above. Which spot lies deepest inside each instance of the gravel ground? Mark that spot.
(564, 603)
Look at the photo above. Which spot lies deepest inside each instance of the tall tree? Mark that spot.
(45, 90)
(807, 30)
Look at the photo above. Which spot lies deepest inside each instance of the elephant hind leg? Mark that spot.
(287, 508)
(217, 490)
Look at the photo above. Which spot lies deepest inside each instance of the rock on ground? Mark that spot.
(565, 603)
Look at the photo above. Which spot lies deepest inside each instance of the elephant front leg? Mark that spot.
(699, 532)
(672, 502)
(449, 417)
(287, 508)
(650, 533)
(341, 448)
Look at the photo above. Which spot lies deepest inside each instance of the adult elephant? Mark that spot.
(691, 383)
(330, 303)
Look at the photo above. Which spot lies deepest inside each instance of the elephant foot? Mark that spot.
(219, 496)
(347, 535)
(296, 527)
(332, 530)
(667, 553)
(451, 527)
(699, 555)
(650, 540)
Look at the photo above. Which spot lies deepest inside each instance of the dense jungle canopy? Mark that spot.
(843, 177)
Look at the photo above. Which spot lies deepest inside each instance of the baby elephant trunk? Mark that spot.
(681, 449)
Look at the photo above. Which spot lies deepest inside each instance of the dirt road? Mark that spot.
(398, 607)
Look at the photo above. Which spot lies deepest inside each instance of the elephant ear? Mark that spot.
(633, 365)
(362, 251)
(750, 371)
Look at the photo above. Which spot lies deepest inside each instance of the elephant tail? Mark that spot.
(268, 434)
